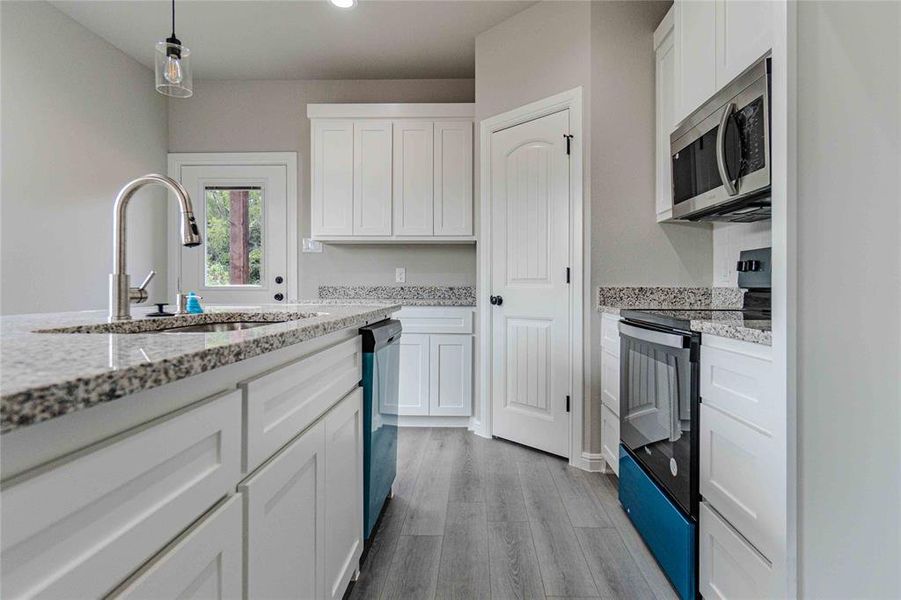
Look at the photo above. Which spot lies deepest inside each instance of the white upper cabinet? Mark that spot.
(695, 29)
(453, 178)
(665, 109)
(333, 177)
(743, 35)
(715, 40)
(413, 189)
(372, 178)
(391, 172)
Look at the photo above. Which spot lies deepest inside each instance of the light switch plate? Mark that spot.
(311, 245)
(400, 275)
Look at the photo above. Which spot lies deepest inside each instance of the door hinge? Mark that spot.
(567, 274)
(569, 139)
(567, 404)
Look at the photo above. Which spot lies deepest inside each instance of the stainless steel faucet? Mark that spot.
(121, 294)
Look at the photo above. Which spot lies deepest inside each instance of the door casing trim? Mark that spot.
(177, 160)
(571, 100)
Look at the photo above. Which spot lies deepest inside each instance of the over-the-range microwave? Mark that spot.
(720, 155)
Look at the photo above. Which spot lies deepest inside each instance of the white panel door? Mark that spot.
(413, 375)
(453, 178)
(372, 178)
(695, 54)
(665, 71)
(242, 214)
(284, 535)
(530, 250)
(743, 35)
(450, 375)
(413, 193)
(332, 200)
(343, 493)
(204, 562)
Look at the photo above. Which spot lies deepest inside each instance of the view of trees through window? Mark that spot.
(234, 236)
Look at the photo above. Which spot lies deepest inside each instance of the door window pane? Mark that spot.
(234, 236)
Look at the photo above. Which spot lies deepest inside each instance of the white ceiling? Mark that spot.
(303, 39)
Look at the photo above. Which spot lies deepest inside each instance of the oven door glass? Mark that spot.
(657, 407)
(695, 169)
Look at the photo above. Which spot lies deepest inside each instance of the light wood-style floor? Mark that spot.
(477, 518)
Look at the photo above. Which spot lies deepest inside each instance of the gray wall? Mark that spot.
(80, 119)
(266, 116)
(849, 294)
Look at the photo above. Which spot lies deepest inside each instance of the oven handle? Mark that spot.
(671, 340)
(721, 150)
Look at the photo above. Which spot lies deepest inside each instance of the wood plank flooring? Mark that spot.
(476, 518)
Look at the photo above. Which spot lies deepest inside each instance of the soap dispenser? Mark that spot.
(193, 305)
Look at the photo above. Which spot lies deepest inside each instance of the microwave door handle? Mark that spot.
(660, 338)
(721, 150)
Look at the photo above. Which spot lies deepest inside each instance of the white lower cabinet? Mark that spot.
(81, 526)
(205, 562)
(343, 493)
(285, 521)
(304, 511)
(435, 375)
(610, 438)
(413, 375)
(729, 567)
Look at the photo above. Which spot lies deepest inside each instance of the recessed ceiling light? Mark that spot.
(344, 3)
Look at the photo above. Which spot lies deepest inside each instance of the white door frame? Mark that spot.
(572, 100)
(177, 160)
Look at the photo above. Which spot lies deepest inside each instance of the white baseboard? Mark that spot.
(591, 461)
(430, 421)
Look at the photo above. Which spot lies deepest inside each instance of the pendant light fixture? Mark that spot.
(173, 66)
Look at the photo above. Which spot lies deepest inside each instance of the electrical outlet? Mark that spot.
(310, 245)
(400, 275)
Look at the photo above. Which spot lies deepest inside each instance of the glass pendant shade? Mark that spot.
(173, 70)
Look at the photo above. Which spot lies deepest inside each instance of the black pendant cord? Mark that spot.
(173, 18)
(175, 48)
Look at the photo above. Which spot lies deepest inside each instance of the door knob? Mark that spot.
(279, 297)
(496, 300)
(279, 279)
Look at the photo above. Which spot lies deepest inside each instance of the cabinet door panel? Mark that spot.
(610, 381)
(610, 438)
(332, 201)
(695, 54)
(729, 568)
(343, 493)
(665, 92)
(203, 563)
(285, 517)
(743, 35)
(413, 165)
(372, 178)
(413, 375)
(450, 375)
(78, 529)
(453, 178)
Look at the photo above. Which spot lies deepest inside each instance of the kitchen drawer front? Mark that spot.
(204, 562)
(737, 477)
(736, 377)
(79, 528)
(610, 438)
(283, 402)
(728, 566)
(436, 319)
(610, 334)
(610, 381)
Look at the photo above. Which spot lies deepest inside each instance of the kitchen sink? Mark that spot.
(214, 327)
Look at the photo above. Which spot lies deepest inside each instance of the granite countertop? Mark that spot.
(405, 295)
(47, 374)
(706, 308)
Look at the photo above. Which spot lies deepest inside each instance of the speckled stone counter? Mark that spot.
(49, 374)
(405, 295)
(668, 300)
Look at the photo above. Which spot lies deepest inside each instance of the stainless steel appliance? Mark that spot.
(721, 154)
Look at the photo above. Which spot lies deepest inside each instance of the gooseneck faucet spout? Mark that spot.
(121, 294)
